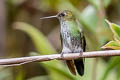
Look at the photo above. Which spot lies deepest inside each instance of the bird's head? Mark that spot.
(64, 15)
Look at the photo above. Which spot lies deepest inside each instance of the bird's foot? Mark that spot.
(62, 54)
(81, 53)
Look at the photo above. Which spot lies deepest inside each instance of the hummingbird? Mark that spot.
(72, 39)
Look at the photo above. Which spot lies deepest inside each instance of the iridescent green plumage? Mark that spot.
(73, 40)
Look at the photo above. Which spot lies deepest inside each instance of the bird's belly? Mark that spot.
(71, 43)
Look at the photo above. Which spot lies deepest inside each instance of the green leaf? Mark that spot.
(112, 45)
(115, 29)
(42, 45)
(114, 62)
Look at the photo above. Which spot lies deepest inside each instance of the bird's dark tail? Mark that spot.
(79, 66)
(70, 64)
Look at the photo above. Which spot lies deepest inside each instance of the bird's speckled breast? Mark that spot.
(71, 42)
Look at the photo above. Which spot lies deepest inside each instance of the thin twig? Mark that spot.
(24, 60)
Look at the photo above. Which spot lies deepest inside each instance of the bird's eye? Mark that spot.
(62, 14)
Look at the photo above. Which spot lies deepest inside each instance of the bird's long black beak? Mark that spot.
(49, 17)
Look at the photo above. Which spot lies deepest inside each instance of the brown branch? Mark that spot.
(24, 60)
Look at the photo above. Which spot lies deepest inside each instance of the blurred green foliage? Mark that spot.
(27, 34)
(114, 62)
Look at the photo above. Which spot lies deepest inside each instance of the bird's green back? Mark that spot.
(74, 28)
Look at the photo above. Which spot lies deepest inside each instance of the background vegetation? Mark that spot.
(22, 33)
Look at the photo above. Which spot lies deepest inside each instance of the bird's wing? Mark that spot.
(82, 36)
(83, 43)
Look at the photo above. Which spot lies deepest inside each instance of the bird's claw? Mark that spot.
(62, 54)
(81, 53)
